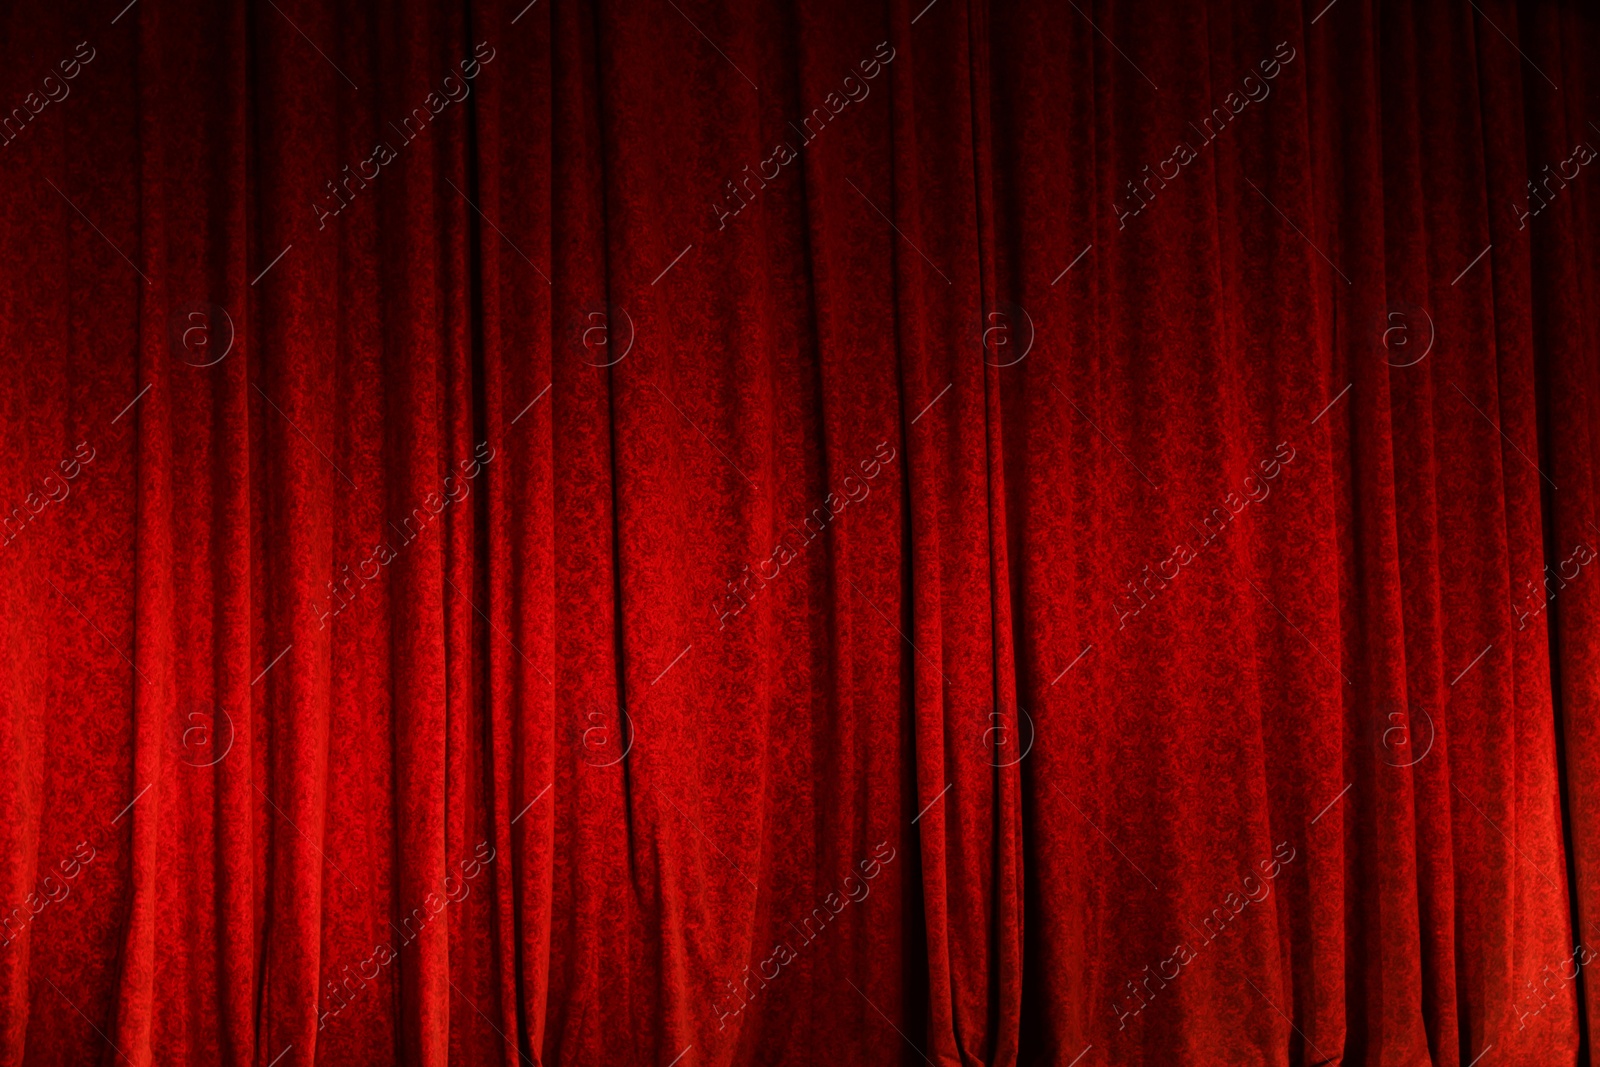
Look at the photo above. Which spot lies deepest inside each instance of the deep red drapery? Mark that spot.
(799, 533)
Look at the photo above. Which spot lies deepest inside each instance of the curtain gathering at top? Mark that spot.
(704, 533)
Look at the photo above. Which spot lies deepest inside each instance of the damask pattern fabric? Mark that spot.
(703, 533)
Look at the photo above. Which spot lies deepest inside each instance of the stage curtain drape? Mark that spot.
(708, 533)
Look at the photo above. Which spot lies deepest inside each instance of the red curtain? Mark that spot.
(686, 532)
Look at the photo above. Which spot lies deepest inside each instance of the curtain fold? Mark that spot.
(694, 533)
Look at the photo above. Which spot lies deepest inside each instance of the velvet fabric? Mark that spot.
(707, 533)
